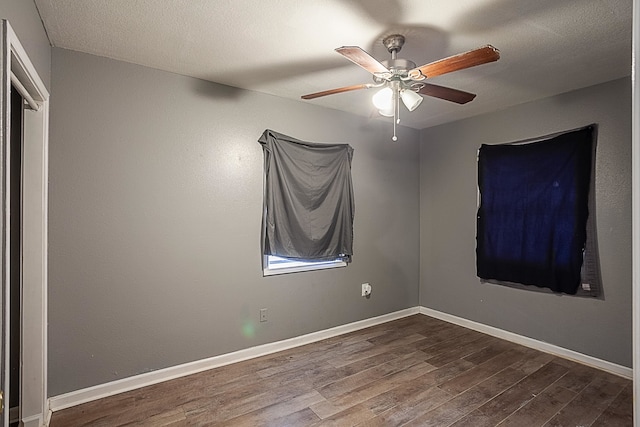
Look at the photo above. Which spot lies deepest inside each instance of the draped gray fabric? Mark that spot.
(308, 199)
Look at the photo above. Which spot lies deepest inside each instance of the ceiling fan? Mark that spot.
(400, 79)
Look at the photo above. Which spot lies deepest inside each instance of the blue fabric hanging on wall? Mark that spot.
(533, 210)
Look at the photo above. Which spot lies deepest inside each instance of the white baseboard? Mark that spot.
(610, 367)
(48, 413)
(100, 391)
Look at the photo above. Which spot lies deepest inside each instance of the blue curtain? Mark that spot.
(531, 223)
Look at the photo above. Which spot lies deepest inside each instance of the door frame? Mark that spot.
(635, 189)
(17, 69)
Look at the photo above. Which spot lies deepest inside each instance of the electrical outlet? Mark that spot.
(366, 289)
(263, 314)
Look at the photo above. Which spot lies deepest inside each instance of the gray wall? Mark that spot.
(154, 219)
(155, 203)
(448, 196)
(25, 21)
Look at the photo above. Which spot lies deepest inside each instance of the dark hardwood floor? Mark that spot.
(416, 371)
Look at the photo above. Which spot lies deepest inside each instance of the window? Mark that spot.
(308, 210)
(534, 207)
(275, 265)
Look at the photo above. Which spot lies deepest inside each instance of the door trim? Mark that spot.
(17, 68)
(635, 191)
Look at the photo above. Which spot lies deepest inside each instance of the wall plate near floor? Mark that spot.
(263, 314)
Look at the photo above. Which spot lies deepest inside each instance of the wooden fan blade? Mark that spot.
(446, 93)
(364, 60)
(461, 61)
(337, 90)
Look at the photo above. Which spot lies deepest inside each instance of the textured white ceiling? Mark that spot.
(286, 47)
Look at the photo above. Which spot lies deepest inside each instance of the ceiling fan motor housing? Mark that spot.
(399, 67)
(399, 72)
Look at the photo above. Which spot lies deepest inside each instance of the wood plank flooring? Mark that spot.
(416, 371)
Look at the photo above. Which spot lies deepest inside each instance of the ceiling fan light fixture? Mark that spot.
(383, 100)
(410, 99)
(387, 113)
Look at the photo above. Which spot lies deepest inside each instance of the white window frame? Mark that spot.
(274, 265)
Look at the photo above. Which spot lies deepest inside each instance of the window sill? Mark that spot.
(297, 267)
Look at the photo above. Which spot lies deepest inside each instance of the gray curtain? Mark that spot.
(308, 199)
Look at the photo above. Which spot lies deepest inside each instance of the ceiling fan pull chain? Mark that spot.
(396, 114)
(398, 105)
(394, 138)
